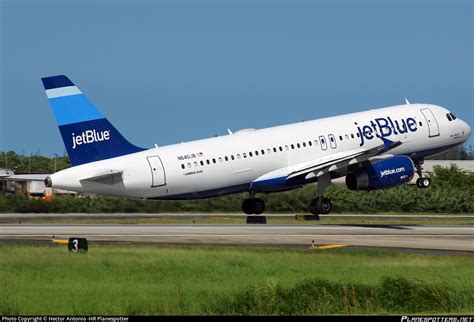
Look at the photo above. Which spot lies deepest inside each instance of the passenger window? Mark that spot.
(421, 124)
(195, 164)
(232, 157)
(310, 144)
(250, 154)
(213, 160)
(292, 146)
(220, 159)
(298, 145)
(208, 162)
(340, 137)
(352, 135)
(244, 155)
(226, 158)
(189, 165)
(263, 151)
(269, 151)
(274, 149)
(238, 156)
(202, 162)
(315, 142)
(182, 166)
(347, 137)
(256, 153)
(286, 147)
(281, 148)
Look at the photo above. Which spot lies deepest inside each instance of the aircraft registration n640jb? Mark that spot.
(376, 149)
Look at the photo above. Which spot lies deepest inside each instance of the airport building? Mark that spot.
(27, 184)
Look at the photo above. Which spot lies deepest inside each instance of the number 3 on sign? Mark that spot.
(75, 246)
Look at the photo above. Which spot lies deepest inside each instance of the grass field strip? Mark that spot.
(230, 235)
(230, 215)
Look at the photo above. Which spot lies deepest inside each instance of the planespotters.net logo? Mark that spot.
(437, 319)
(89, 136)
(388, 172)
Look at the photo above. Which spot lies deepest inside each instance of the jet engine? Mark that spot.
(383, 174)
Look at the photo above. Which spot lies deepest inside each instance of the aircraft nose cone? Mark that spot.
(467, 130)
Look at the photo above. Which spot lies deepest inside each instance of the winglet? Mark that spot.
(389, 144)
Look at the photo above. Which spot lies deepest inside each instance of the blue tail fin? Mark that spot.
(87, 134)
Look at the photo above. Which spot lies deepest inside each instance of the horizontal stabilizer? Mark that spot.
(109, 174)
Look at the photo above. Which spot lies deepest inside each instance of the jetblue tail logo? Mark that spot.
(87, 134)
(383, 127)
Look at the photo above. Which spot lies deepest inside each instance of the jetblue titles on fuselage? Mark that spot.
(382, 127)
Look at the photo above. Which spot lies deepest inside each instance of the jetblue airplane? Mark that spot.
(376, 149)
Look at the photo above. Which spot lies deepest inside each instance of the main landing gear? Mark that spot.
(320, 205)
(421, 182)
(253, 205)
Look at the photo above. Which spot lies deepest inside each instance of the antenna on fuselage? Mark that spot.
(406, 100)
(230, 132)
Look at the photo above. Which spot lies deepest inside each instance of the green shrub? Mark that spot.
(452, 191)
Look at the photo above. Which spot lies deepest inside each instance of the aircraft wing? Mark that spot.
(338, 161)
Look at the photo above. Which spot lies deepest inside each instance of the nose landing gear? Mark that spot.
(421, 182)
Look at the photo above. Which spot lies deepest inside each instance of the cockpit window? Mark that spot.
(449, 117)
(452, 116)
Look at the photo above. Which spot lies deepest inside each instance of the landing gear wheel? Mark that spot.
(258, 206)
(418, 183)
(252, 206)
(320, 206)
(326, 206)
(313, 207)
(423, 182)
(247, 206)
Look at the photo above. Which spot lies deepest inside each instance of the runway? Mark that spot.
(426, 237)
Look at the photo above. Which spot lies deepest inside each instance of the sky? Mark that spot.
(164, 72)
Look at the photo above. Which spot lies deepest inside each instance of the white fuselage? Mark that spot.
(231, 163)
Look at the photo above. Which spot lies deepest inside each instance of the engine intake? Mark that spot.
(384, 174)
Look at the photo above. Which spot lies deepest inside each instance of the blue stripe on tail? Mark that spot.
(87, 134)
(56, 82)
(74, 109)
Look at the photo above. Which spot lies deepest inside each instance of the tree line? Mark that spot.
(451, 191)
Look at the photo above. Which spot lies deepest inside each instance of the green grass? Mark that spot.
(129, 280)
